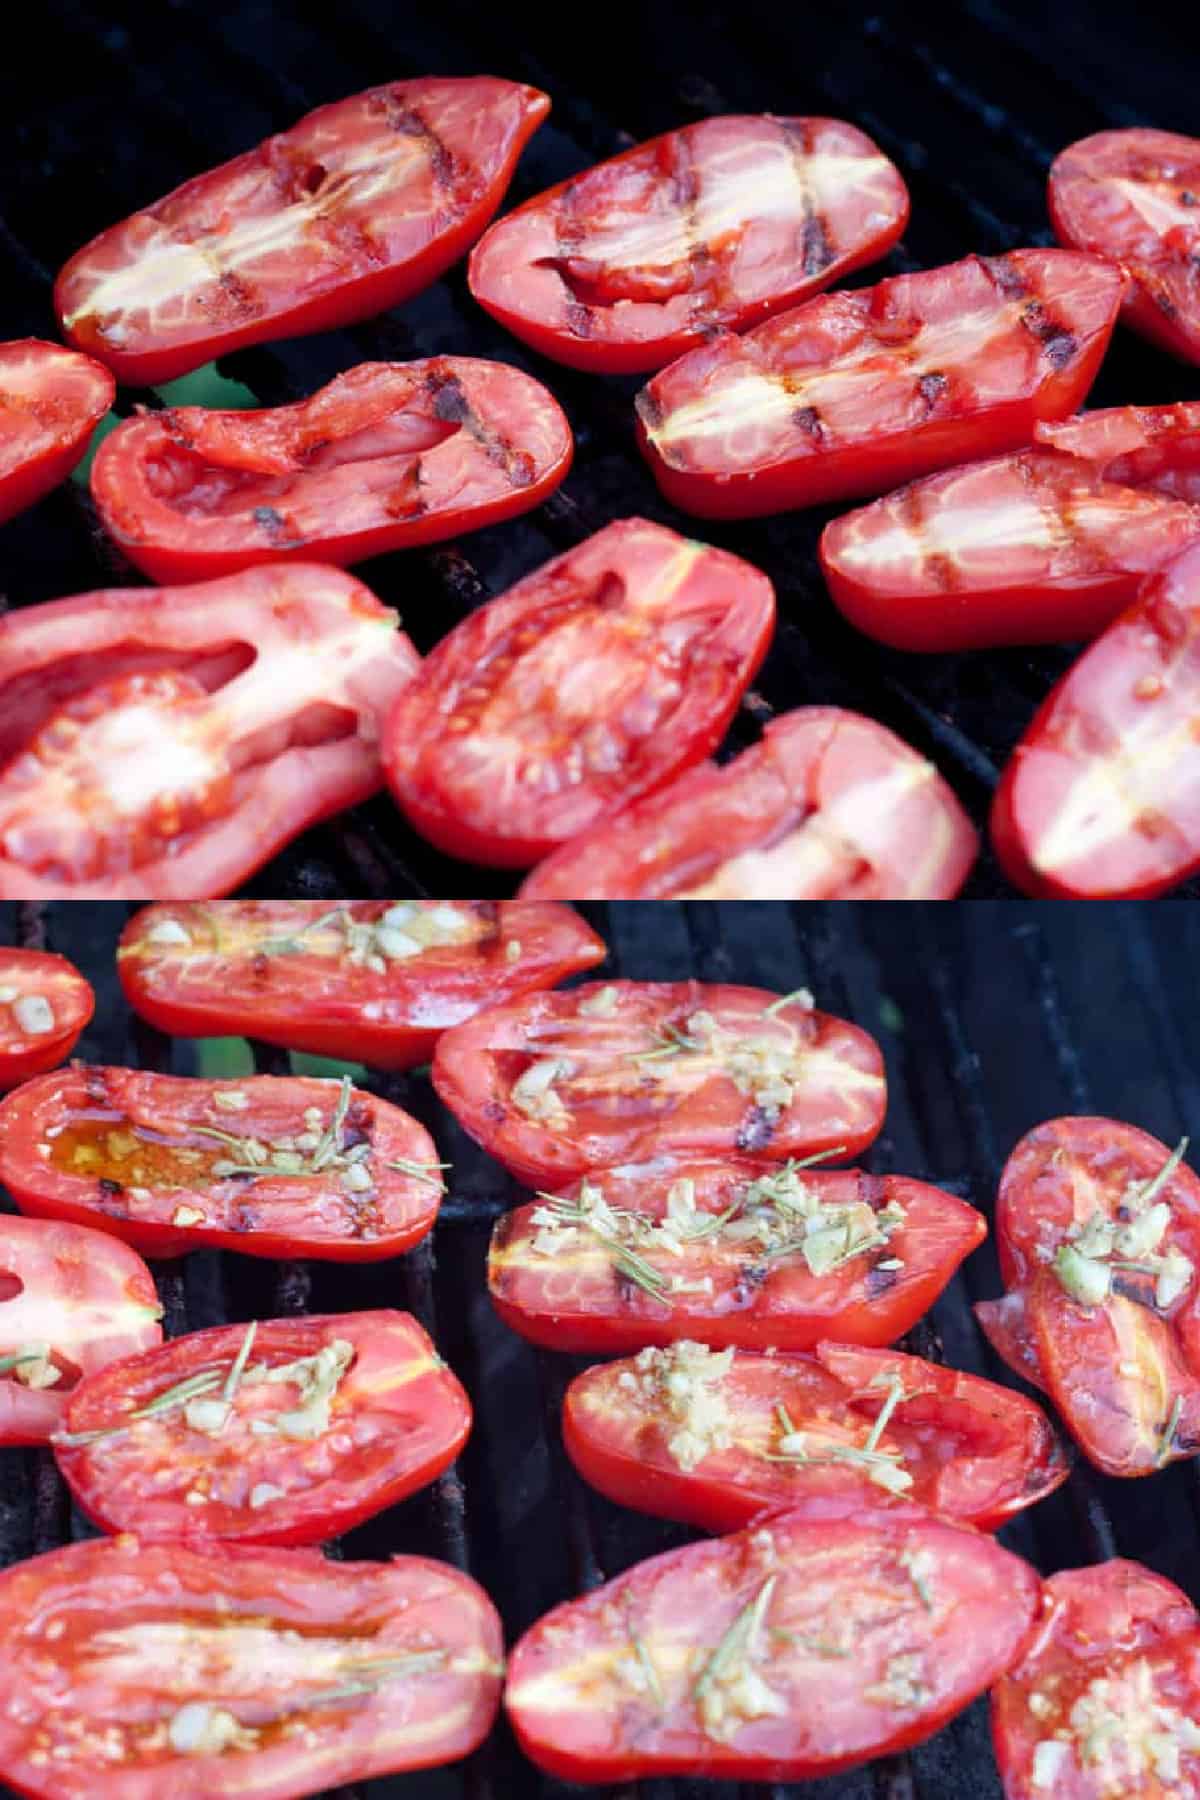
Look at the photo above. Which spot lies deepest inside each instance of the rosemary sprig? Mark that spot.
(1153, 1188)
(191, 1388)
(31, 1353)
(285, 946)
(331, 1138)
(374, 1676)
(895, 1389)
(738, 1641)
(777, 1006)
(223, 1137)
(671, 1041)
(238, 1366)
(625, 1261)
(1167, 1441)
(420, 1171)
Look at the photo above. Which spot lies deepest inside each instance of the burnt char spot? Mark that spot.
(627, 1290)
(238, 294)
(450, 404)
(816, 253)
(872, 1189)
(579, 318)
(110, 1189)
(494, 1112)
(809, 420)
(1187, 198)
(1163, 301)
(1058, 344)
(1006, 276)
(274, 524)
(750, 1278)
(757, 1129)
(409, 123)
(932, 388)
(878, 1280)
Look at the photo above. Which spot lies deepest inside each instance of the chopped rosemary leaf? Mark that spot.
(738, 1641)
(1154, 1187)
(286, 946)
(895, 1395)
(1167, 1441)
(420, 1171)
(797, 994)
(237, 1367)
(331, 1138)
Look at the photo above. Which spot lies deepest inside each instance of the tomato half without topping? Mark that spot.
(1151, 447)
(854, 393)
(389, 455)
(556, 1084)
(163, 743)
(828, 806)
(1134, 196)
(371, 981)
(1101, 798)
(359, 206)
(592, 681)
(804, 1646)
(51, 401)
(71, 1302)
(44, 1005)
(287, 1431)
(717, 1438)
(728, 1252)
(272, 1166)
(137, 1669)
(1106, 1698)
(719, 224)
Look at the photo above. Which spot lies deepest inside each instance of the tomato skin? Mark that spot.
(71, 1002)
(533, 269)
(89, 1297)
(289, 1215)
(843, 1573)
(753, 1302)
(1100, 799)
(829, 805)
(440, 155)
(51, 401)
(474, 1075)
(976, 1452)
(595, 679)
(821, 403)
(190, 494)
(215, 982)
(1154, 237)
(215, 1606)
(401, 1413)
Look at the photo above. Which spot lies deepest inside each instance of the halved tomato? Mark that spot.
(1106, 1698)
(360, 205)
(828, 806)
(556, 1084)
(1152, 447)
(809, 1644)
(44, 1005)
(71, 1301)
(206, 1670)
(287, 1431)
(271, 1166)
(387, 456)
(1134, 196)
(729, 1252)
(156, 743)
(856, 392)
(719, 224)
(51, 401)
(592, 681)
(718, 1438)
(1101, 797)
(371, 981)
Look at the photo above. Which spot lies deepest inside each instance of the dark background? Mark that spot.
(103, 109)
(992, 1016)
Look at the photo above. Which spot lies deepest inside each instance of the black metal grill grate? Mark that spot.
(972, 101)
(1097, 1014)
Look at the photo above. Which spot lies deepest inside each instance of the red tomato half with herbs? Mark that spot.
(828, 1636)
(592, 681)
(359, 206)
(44, 1005)
(158, 743)
(1106, 1698)
(371, 981)
(1101, 798)
(828, 806)
(854, 393)
(389, 455)
(556, 1084)
(51, 401)
(218, 1670)
(288, 1431)
(1134, 196)
(727, 1251)
(717, 225)
(73, 1301)
(719, 1438)
(271, 1166)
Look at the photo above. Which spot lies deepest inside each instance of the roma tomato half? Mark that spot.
(360, 205)
(856, 392)
(367, 981)
(719, 224)
(592, 681)
(51, 401)
(44, 1005)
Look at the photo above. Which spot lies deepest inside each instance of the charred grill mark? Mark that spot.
(238, 294)
(751, 1277)
(409, 122)
(816, 249)
(757, 1129)
(816, 253)
(109, 1188)
(579, 318)
(1007, 277)
(1062, 521)
(1058, 344)
(811, 423)
(932, 387)
(451, 405)
(279, 533)
(939, 567)
(879, 1281)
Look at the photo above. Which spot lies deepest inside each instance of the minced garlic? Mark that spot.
(684, 1381)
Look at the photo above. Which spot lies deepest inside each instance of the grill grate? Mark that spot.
(966, 99)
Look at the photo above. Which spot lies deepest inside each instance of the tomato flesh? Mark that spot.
(169, 1163)
(307, 975)
(44, 1005)
(556, 1084)
(856, 392)
(717, 225)
(51, 401)
(828, 806)
(592, 681)
(356, 208)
